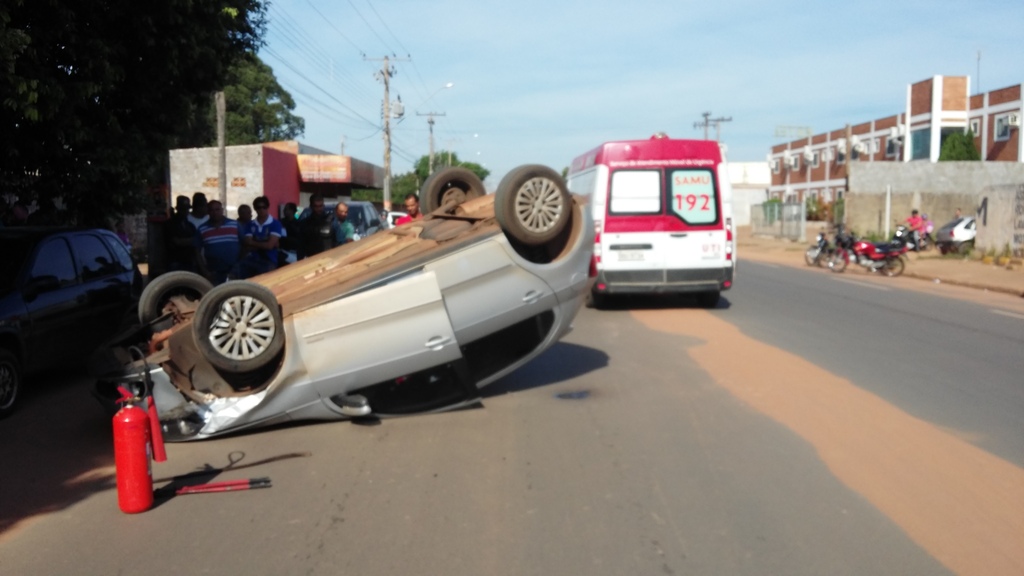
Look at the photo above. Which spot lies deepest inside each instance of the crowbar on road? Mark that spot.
(226, 486)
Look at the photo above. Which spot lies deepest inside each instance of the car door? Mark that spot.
(105, 289)
(486, 290)
(377, 335)
(54, 312)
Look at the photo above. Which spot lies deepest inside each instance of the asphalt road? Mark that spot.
(809, 425)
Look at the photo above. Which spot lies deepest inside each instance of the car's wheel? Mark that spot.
(596, 300)
(159, 296)
(893, 267)
(532, 204)
(238, 327)
(455, 185)
(10, 382)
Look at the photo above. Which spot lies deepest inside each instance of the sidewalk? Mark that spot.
(930, 265)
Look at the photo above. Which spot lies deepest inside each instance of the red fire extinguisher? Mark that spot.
(132, 453)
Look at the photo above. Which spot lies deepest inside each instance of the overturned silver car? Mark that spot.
(413, 319)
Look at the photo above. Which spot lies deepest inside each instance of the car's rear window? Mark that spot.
(635, 192)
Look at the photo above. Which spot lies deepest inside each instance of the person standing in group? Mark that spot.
(262, 237)
(220, 245)
(412, 210)
(342, 230)
(244, 215)
(290, 240)
(314, 228)
(200, 210)
(182, 241)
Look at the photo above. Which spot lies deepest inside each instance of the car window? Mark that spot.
(123, 258)
(54, 259)
(94, 258)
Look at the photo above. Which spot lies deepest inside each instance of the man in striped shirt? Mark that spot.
(220, 244)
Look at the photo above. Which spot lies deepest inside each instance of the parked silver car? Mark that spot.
(412, 319)
(957, 235)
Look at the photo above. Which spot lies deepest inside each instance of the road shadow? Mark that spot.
(561, 362)
(660, 302)
(56, 449)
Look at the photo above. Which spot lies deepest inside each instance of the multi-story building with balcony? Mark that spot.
(818, 165)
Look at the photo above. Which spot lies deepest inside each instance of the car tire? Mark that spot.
(455, 185)
(157, 294)
(10, 382)
(238, 327)
(532, 204)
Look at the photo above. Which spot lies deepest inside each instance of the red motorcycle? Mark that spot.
(883, 257)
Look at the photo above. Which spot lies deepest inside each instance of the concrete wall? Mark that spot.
(994, 191)
(196, 170)
(750, 182)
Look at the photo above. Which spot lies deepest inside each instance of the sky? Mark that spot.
(537, 82)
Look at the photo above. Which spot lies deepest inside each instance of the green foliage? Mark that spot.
(258, 109)
(838, 210)
(443, 159)
(959, 146)
(93, 93)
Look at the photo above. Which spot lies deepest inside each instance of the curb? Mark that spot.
(974, 285)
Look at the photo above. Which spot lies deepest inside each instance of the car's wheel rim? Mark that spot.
(539, 205)
(243, 329)
(8, 382)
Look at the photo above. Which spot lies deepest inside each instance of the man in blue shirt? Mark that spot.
(221, 246)
(262, 237)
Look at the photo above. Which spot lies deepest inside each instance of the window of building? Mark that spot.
(775, 165)
(892, 147)
(840, 155)
(976, 126)
(815, 159)
(921, 144)
(875, 147)
(1002, 127)
(795, 162)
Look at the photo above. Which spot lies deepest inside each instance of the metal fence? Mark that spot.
(782, 220)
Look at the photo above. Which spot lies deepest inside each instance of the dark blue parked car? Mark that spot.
(63, 294)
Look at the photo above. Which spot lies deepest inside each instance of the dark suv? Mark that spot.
(63, 293)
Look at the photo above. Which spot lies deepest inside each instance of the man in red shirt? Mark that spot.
(412, 209)
(916, 225)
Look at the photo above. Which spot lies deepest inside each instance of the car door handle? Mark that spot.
(532, 296)
(679, 235)
(438, 342)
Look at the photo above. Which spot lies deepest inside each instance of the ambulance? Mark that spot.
(662, 212)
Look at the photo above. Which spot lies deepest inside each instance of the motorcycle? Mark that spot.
(883, 257)
(916, 242)
(819, 253)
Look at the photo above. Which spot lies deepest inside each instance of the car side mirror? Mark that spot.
(40, 284)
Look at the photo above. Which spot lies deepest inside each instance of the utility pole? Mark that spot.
(222, 160)
(430, 123)
(708, 122)
(385, 74)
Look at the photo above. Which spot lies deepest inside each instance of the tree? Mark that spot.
(959, 146)
(447, 158)
(94, 92)
(258, 108)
